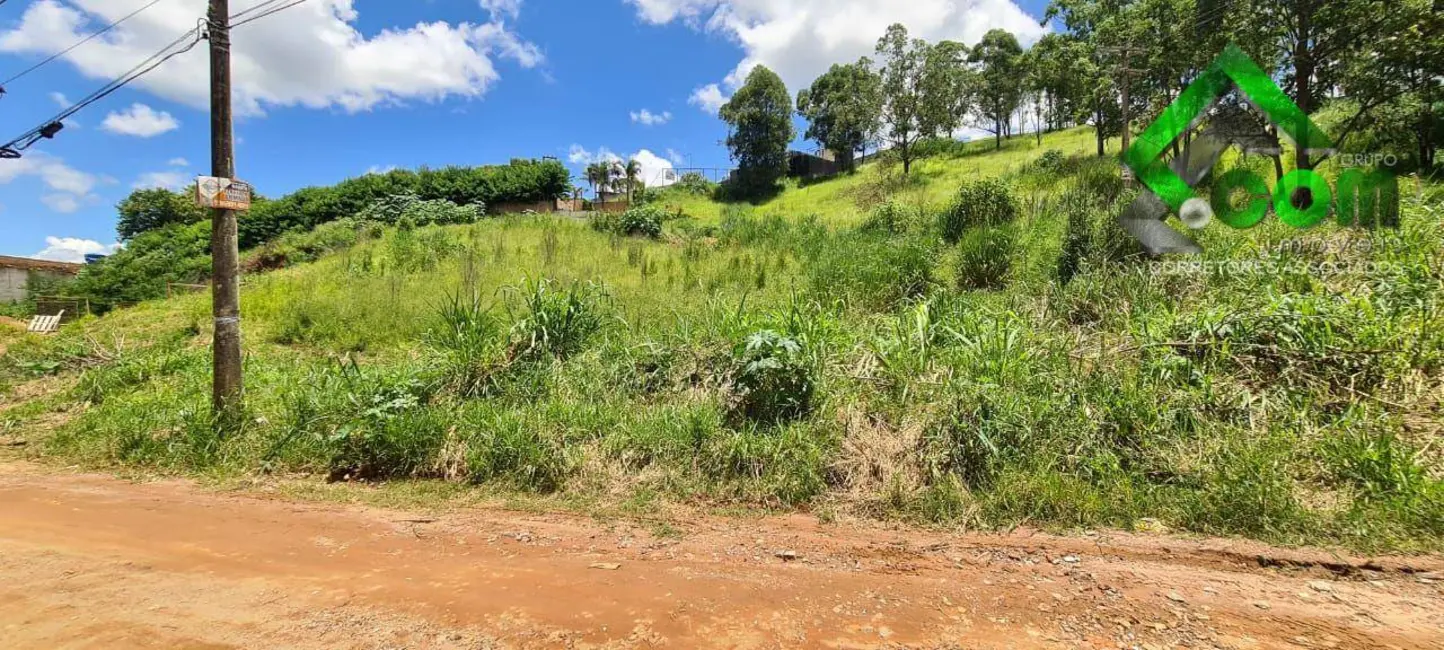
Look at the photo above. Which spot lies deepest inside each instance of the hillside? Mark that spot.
(858, 346)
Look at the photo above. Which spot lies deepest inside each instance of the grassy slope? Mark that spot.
(1282, 406)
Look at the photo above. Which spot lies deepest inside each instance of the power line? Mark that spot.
(268, 13)
(79, 43)
(263, 4)
(52, 126)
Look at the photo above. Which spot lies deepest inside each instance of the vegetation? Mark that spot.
(759, 120)
(972, 341)
(818, 361)
(842, 108)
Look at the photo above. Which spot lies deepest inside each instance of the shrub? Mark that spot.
(468, 339)
(1051, 162)
(872, 272)
(987, 202)
(894, 218)
(641, 221)
(556, 323)
(1092, 234)
(985, 258)
(521, 181)
(696, 184)
(140, 271)
(772, 380)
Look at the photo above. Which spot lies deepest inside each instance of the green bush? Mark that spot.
(520, 181)
(985, 258)
(987, 202)
(140, 271)
(1092, 235)
(894, 218)
(641, 221)
(468, 339)
(772, 379)
(1051, 162)
(872, 272)
(556, 323)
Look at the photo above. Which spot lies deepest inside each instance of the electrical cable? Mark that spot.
(79, 43)
(269, 13)
(52, 126)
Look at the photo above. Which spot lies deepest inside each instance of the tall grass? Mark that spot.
(798, 354)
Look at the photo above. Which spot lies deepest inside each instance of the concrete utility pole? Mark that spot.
(225, 267)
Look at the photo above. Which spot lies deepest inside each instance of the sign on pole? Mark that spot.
(223, 193)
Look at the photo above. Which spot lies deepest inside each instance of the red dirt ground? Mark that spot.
(96, 562)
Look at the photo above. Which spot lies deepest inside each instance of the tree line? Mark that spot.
(1369, 71)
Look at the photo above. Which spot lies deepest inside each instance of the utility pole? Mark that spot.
(225, 268)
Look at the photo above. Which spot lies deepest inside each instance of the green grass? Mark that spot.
(899, 376)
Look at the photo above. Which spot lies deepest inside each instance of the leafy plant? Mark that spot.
(985, 258)
(772, 379)
(987, 202)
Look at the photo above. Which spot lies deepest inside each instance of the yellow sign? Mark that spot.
(223, 193)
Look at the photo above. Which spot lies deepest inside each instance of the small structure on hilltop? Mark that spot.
(816, 164)
(20, 275)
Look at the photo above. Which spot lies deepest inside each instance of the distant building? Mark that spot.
(18, 274)
(818, 164)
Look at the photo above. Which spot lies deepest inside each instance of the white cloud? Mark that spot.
(69, 187)
(503, 7)
(167, 180)
(656, 171)
(708, 98)
(578, 155)
(648, 118)
(140, 121)
(72, 249)
(312, 55)
(179, 162)
(380, 169)
(801, 39)
(60, 99)
(676, 156)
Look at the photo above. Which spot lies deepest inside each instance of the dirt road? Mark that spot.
(96, 562)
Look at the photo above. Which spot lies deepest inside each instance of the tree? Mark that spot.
(1317, 40)
(903, 63)
(998, 84)
(945, 88)
(631, 174)
(152, 209)
(760, 119)
(843, 108)
(600, 175)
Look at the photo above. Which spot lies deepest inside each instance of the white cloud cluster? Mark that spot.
(503, 7)
(801, 39)
(656, 170)
(72, 249)
(67, 188)
(311, 55)
(709, 98)
(648, 118)
(140, 121)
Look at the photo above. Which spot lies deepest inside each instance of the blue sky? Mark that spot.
(334, 88)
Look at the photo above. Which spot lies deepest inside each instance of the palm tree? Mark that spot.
(632, 172)
(598, 175)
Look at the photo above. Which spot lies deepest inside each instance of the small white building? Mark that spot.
(17, 274)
